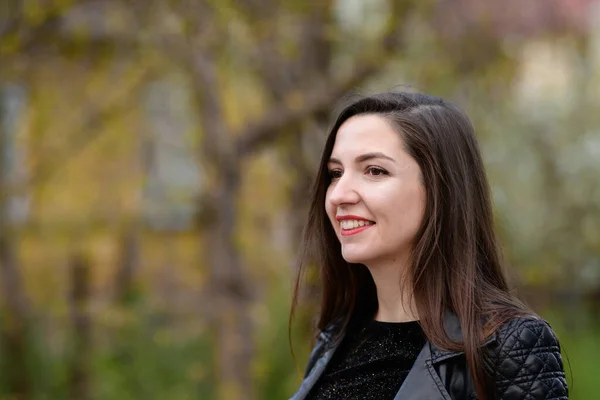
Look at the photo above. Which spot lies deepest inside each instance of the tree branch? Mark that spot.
(325, 92)
(90, 130)
(319, 100)
(16, 25)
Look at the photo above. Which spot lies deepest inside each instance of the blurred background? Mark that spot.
(157, 157)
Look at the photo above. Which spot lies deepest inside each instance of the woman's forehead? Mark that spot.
(365, 134)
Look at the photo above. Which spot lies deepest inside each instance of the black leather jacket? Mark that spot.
(523, 358)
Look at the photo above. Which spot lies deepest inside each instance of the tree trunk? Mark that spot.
(129, 260)
(229, 291)
(79, 368)
(14, 332)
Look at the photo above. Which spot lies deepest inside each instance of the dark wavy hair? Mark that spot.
(456, 261)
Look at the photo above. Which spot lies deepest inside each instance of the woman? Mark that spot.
(415, 304)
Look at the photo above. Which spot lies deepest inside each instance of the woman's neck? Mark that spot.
(394, 293)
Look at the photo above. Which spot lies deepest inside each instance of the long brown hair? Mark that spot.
(456, 261)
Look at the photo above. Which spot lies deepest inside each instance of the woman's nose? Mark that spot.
(343, 191)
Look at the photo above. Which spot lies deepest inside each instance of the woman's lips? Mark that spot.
(354, 231)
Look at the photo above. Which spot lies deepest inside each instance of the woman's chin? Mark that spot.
(356, 257)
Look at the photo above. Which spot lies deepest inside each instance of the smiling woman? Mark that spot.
(371, 175)
(415, 303)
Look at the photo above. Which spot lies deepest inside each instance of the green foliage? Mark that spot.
(143, 358)
(275, 368)
(147, 359)
(580, 345)
(582, 361)
(47, 372)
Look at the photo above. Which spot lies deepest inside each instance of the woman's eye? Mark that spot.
(335, 174)
(376, 171)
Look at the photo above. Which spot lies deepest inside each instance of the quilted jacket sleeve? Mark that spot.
(526, 363)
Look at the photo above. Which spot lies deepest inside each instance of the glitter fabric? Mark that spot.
(371, 362)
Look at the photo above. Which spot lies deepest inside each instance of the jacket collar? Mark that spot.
(423, 381)
(454, 332)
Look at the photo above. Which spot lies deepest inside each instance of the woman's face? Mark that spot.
(375, 201)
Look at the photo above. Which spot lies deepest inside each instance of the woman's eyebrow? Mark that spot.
(363, 158)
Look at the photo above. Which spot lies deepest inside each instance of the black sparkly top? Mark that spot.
(371, 362)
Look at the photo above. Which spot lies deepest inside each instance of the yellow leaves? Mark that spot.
(197, 372)
(37, 12)
(116, 317)
(34, 13)
(262, 208)
(164, 337)
(230, 391)
(544, 272)
(295, 100)
(10, 44)
(29, 20)
(243, 100)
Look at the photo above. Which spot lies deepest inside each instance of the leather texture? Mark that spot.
(525, 362)
(522, 359)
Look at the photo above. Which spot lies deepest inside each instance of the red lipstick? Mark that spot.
(354, 231)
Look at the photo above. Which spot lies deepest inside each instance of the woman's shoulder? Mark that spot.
(526, 358)
(525, 332)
